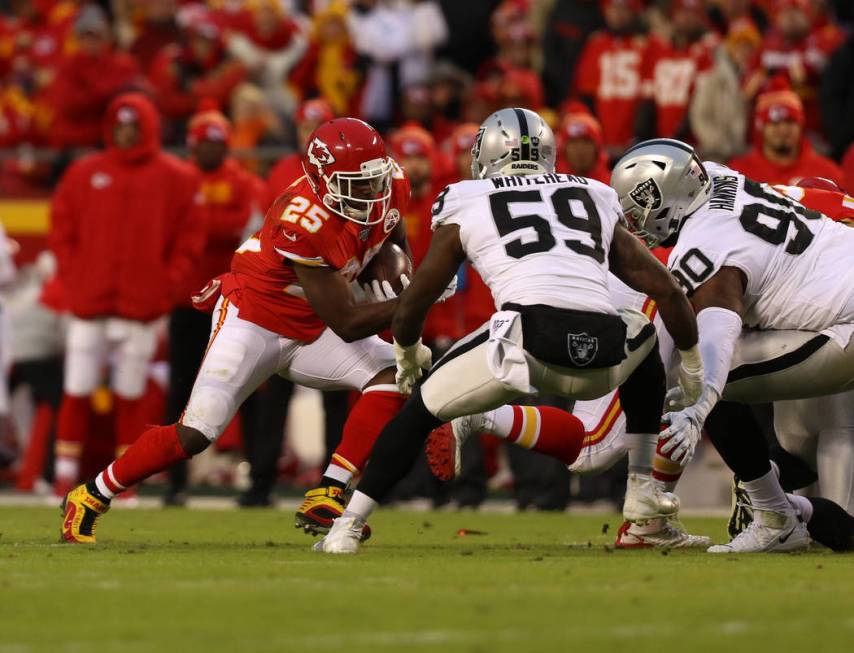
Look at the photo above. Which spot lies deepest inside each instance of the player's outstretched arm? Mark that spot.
(632, 263)
(330, 296)
(432, 277)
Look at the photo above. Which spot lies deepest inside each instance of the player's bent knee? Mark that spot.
(192, 441)
(209, 411)
(384, 378)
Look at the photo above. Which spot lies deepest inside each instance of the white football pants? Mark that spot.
(242, 355)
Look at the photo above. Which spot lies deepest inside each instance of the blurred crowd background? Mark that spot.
(234, 87)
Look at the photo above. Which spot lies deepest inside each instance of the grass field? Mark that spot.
(246, 581)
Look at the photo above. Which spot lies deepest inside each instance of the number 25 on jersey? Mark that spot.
(309, 215)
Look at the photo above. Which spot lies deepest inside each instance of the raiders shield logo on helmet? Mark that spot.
(647, 195)
(319, 154)
(582, 348)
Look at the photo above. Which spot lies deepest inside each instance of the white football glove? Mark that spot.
(376, 292)
(411, 361)
(690, 381)
(685, 428)
(449, 291)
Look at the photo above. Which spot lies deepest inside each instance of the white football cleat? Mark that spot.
(769, 532)
(658, 533)
(344, 536)
(445, 442)
(646, 500)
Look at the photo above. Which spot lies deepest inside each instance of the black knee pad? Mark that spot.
(642, 394)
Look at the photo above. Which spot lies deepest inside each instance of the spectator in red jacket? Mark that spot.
(608, 74)
(782, 154)
(310, 115)
(798, 47)
(269, 42)
(580, 147)
(670, 69)
(155, 27)
(125, 241)
(86, 81)
(197, 69)
(225, 202)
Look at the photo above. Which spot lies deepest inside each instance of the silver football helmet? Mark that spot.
(513, 142)
(659, 183)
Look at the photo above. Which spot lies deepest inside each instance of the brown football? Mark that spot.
(387, 265)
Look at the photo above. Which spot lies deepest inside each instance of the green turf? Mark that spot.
(204, 581)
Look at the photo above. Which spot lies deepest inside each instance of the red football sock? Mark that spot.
(367, 418)
(665, 470)
(546, 429)
(154, 451)
(73, 425)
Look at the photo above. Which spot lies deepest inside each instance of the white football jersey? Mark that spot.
(540, 239)
(798, 263)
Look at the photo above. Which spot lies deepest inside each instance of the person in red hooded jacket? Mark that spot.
(782, 154)
(125, 240)
(579, 147)
(86, 81)
(225, 201)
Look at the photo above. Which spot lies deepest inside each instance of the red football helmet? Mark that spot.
(346, 163)
(821, 183)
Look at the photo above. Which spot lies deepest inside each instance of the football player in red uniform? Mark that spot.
(287, 308)
(670, 68)
(608, 74)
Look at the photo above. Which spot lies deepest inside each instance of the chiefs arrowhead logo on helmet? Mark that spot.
(319, 154)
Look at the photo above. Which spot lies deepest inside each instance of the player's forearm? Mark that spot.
(678, 317)
(408, 322)
(359, 321)
(719, 330)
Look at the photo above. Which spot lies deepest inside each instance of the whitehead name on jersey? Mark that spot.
(540, 239)
(797, 262)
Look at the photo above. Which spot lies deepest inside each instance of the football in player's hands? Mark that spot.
(388, 264)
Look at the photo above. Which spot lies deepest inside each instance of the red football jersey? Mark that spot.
(609, 69)
(838, 206)
(669, 74)
(299, 229)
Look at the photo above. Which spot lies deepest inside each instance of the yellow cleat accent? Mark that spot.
(320, 508)
(81, 510)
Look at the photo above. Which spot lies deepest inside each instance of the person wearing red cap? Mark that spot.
(782, 154)
(197, 68)
(608, 73)
(579, 145)
(798, 48)
(308, 117)
(225, 201)
(125, 240)
(670, 70)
